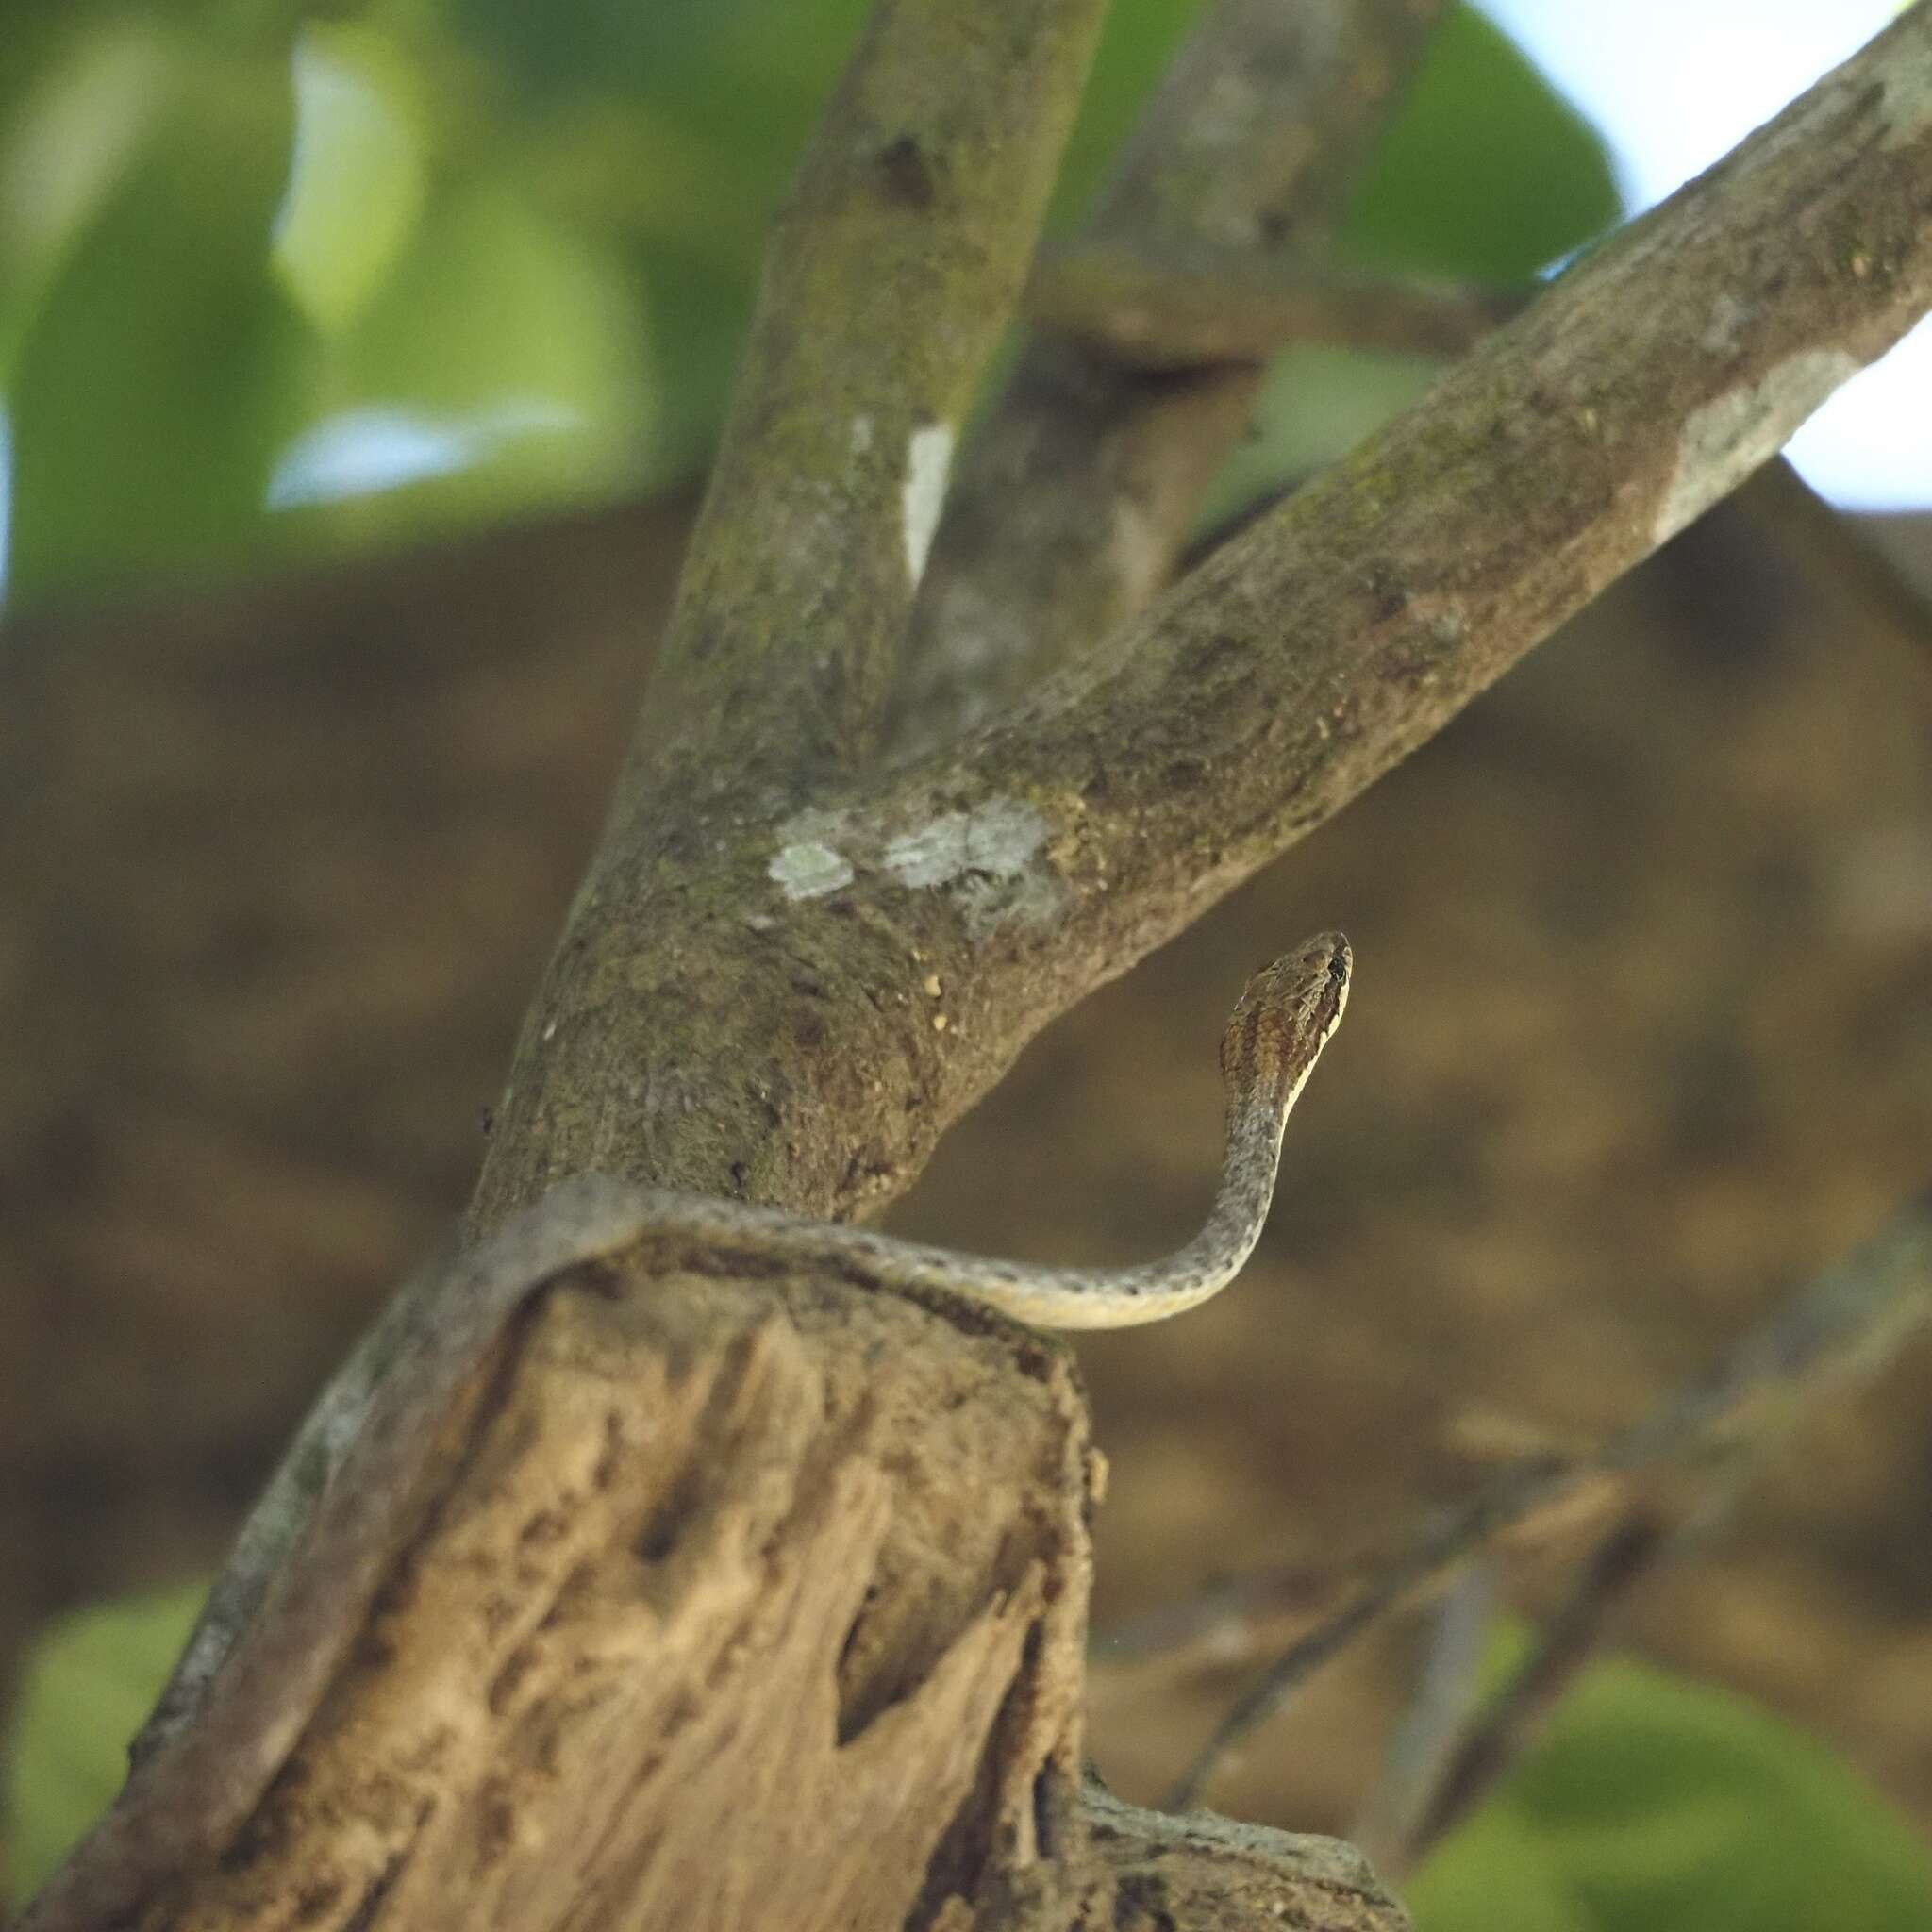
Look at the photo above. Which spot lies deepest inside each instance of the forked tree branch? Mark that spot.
(933, 1651)
(781, 986)
(1138, 786)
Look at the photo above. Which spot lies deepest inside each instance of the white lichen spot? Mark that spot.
(929, 462)
(861, 435)
(816, 822)
(931, 983)
(808, 869)
(1733, 434)
(1728, 315)
(997, 840)
(939, 1023)
(932, 855)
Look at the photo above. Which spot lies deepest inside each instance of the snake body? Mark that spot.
(1284, 1018)
(308, 1564)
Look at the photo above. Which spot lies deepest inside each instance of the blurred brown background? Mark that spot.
(1643, 1035)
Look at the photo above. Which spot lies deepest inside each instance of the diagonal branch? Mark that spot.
(1288, 673)
(886, 285)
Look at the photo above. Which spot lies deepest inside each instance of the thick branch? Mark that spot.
(1203, 1870)
(1286, 675)
(683, 1561)
(887, 283)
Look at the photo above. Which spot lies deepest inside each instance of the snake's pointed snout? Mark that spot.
(1324, 966)
(1320, 966)
(1287, 1012)
(1337, 955)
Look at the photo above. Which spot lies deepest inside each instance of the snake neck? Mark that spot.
(1255, 1128)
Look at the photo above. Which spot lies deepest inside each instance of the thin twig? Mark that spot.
(1428, 1737)
(1509, 1723)
(1641, 1541)
(1846, 1323)
(1205, 305)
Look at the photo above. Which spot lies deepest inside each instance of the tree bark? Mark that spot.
(733, 1601)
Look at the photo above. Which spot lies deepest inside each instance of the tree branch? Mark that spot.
(1203, 1871)
(888, 282)
(1268, 689)
(1075, 496)
(675, 1560)
(1190, 308)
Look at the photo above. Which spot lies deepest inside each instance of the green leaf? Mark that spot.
(358, 179)
(75, 120)
(1660, 1804)
(1497, 1873)
(86, 1686)
(504, 361)
(1487, 174)
(163, 367)
(1663, 1796)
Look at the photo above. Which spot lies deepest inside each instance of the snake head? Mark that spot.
(1285, 1016)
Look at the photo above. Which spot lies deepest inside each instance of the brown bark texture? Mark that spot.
(731, 1599)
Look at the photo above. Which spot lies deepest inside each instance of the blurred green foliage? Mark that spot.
(87, 1686)
(1656, 1803)
(257, 257)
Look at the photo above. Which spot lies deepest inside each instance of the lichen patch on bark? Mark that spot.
(1736, 432)
(928, 463)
